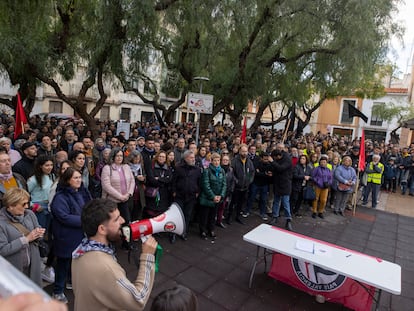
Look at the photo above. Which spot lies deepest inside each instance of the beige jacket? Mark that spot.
(100, 283)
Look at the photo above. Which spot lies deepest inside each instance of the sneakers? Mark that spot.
(60, 297)
(48, 274)
(245, 215)
(69, 286)
(264, 218)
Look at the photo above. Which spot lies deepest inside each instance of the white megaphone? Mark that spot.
(171, 221)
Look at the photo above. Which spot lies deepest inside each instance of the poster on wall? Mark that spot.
(202, 103)
(123, 127)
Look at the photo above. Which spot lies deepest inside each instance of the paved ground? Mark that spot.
(218, 273)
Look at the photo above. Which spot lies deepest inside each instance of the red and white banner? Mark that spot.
(315, 280)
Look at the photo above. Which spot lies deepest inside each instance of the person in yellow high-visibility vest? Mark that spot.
(374, 171)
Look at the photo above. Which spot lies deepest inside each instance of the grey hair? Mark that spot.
(5, 139)
(187, 153)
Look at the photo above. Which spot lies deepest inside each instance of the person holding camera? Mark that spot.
(19, 233)
(322, 179)
(99, 282)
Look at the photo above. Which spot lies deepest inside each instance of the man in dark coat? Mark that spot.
(186, 186)
(25, 166)
(243, 169)
(282, 184)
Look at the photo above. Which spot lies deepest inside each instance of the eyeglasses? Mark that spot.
(114, 141)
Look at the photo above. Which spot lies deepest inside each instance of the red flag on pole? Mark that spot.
(20, 118)
(244, 132)
(361, 163)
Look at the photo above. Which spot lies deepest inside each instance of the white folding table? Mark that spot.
(381, 274)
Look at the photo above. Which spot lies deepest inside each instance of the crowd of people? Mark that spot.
(54, 169)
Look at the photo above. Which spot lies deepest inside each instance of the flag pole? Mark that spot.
(286, 131)
(355, 199)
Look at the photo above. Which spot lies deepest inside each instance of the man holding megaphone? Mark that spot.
(99, 282)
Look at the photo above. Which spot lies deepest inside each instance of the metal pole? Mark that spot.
(198, 128)
(201, 79)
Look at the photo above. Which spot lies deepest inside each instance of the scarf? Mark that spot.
(14, 218)
(217, 170)
(226, 168)
(5, 177)
(135, 168)
(92, 246)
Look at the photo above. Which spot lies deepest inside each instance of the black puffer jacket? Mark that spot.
(243, 172)
(282, 175)
(186, 181)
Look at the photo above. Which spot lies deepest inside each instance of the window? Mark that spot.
(147, 87)
(375, 135)
(345, 113)
(376, 120)
(105, 113)
(146, 116)
(55, 106)
(125, 114)
(191, 117)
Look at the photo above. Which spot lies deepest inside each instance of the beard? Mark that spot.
(114, 237)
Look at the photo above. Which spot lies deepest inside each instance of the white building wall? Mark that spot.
(387, 127)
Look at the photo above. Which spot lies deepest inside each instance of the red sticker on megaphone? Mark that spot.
(169, 226)
(159, 218)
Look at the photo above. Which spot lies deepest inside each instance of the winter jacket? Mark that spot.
(24, 167)
(21, 183)
(243, 172)
(322, 177)
(282, 175)
(15, 248)
(111, 182)
(186, 181)
(230, 180)
(299, 173)
(66, 209)
(213, 183)
(260, 176)
(160, 178)
(342, 175)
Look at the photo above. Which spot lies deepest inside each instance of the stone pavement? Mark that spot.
(218, 272)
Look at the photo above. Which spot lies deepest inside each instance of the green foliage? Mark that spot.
(285, 49)
(391, 111)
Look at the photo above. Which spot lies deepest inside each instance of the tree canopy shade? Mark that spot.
(270, 50)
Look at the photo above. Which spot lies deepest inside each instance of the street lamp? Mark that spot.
(201, 79)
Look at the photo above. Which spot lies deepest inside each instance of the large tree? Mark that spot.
(269, 49)
(281, 49)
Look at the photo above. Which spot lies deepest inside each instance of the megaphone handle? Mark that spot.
(158, 252)
(158, 255)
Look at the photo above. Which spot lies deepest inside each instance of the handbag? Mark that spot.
(43, 247)
(151, 192)
(343, 187)
(309, 193)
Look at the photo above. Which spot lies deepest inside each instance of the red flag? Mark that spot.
(361, 163)
(315, 280)
(244, 132)
(20, 118)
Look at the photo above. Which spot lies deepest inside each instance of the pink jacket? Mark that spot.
(111, 183)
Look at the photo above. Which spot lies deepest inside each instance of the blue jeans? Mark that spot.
(286, 206)
(262, 191)
(63, 272)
